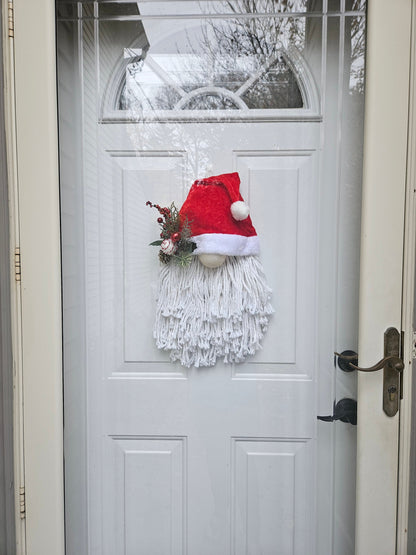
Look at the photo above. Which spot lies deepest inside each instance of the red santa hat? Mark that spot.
(219, 218)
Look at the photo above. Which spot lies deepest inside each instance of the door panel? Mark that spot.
(285, 181)
(272, 491)
(134, 175)
(146, 483)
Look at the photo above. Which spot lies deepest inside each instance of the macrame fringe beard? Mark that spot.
(205, 314)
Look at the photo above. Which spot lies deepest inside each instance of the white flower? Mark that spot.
(168, 246)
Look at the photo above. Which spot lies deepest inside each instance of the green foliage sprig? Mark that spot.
(175, 243)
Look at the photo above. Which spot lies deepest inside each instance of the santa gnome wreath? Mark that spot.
(213, 300)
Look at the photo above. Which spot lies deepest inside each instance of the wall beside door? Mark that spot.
(7, 536)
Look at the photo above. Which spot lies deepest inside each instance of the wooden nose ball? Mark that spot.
(212, 260)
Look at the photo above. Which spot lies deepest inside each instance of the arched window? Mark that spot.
(149, 85)
(227, 67)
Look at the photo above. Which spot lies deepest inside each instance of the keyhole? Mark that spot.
(392, 390)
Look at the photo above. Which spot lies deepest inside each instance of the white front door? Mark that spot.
(229, 459)
(205, 457)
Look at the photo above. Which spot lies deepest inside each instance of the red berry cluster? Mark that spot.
(167, 223)
(164, 211)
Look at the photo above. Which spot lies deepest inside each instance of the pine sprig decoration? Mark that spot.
(175, 243)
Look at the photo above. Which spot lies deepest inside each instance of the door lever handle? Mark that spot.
(392, 365)
(391, 361)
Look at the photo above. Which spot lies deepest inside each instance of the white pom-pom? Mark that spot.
(240, 210)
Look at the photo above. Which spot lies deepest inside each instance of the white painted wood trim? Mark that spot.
(408, 307)
(10, 540)
(385, 150)
(15, 300)
(39, 230)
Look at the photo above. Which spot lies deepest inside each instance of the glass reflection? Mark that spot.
(357, 55)
(208, 7)
(214, 65)
(137, 71)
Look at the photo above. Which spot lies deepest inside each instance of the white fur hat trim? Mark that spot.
(230, 245)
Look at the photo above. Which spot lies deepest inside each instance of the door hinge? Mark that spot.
(17, 265)
(10, 20)
(414, 345)
(22, 502)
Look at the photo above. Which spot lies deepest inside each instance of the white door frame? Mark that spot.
(32, 125)
(409, 276)
(383, 274)
(36, 305)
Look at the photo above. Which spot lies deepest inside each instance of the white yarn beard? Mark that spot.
(204, 314)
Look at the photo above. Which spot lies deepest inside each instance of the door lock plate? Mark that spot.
(392, 372)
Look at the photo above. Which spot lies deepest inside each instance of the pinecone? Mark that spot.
(165, 258)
